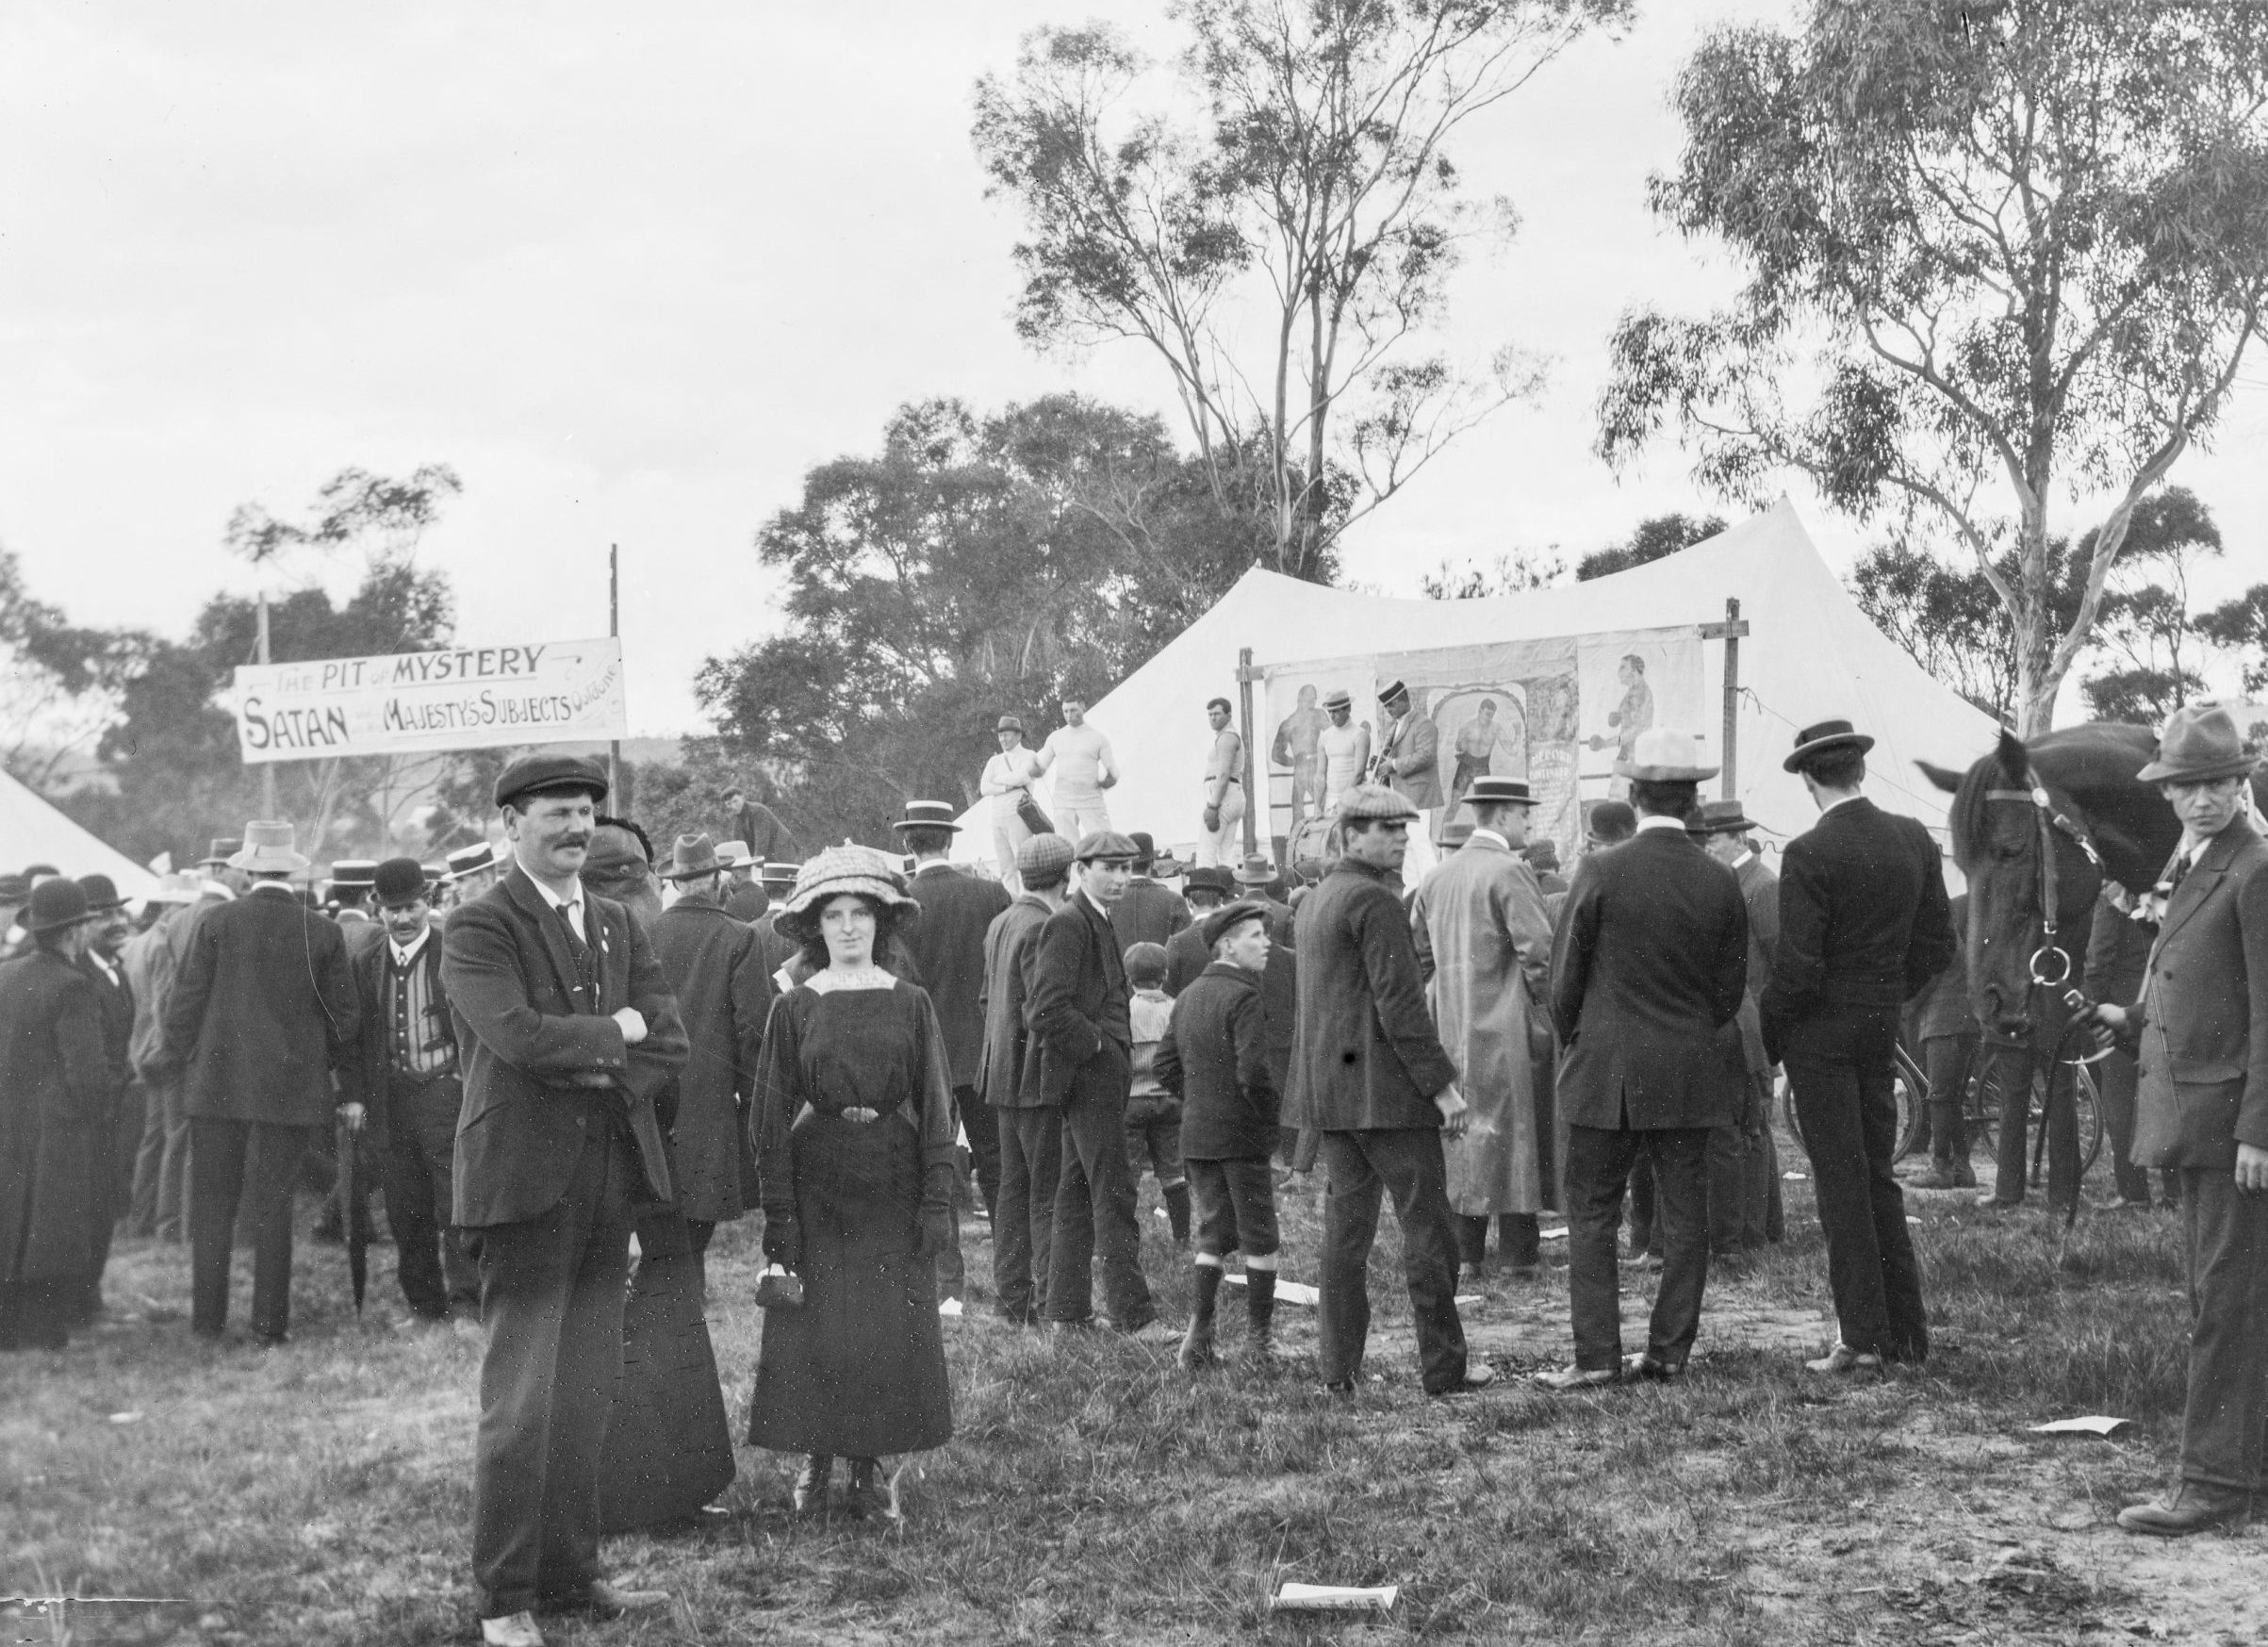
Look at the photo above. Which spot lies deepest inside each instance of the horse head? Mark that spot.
(2036, 828)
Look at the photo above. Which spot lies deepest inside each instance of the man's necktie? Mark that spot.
(586, 972)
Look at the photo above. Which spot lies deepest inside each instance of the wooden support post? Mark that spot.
(267, 770)
(613, 628)
(1255, 803)
(1729, 632)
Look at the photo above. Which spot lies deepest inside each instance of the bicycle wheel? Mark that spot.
(1980, 1097)
(1911, 1090)
(2089, 1098)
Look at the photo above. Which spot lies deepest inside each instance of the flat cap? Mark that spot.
(1366, 801)
(543, 774)
(1043, 856)
(1106, 846)
(1229, 917)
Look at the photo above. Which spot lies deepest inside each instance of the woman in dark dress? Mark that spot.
(854, 1138)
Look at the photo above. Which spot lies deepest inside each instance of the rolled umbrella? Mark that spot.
(349, 1209)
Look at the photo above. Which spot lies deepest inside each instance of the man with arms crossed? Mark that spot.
(568, 1031)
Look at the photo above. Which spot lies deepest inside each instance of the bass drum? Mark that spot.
(1312, 839)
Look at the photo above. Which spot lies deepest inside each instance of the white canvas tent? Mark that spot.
(33, 831)
(1810, 655)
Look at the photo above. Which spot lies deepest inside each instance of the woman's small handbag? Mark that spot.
(1038, 822)
(779, 1289)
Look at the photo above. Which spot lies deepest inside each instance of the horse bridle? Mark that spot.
(2050, 821)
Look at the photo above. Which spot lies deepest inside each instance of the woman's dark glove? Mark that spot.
(937, 1230)
(782, 1242)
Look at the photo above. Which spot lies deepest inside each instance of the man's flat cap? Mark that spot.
(542, 774)
(1043, 856)
(1225, 920)
(1106, 847)
(1366, 801)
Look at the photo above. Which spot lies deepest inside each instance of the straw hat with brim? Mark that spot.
(1499, 792)
(1339, 697)
(1718, 818)
(1369, 802)
(1256, 871)
(268, 849)
(693, 855)
(734, 855)
(778, 875)
(929, 815)
(1225, 920)
(1825, 739)
(352, 872)
(472, 860)
(55, 903)
(181, 887)
(1662, 755)
(836, 871)
(102, 893)
(2200, 743)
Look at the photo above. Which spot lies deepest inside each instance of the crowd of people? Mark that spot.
(557, 1043)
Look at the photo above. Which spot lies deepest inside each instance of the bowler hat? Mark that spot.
(1146, 849)
(1718, 818)
(268, 849)
(929, 815)
(102, 893)
(1500, 792)
(1225, 920)
(1368, 801)
(1820, 739)
(55, 903)
(400, 882)
(1105, 847)
(691, 856)
(545, 774)
(1044, 857)
(1662, 755)
(1207, 878)
(472, 860)
(1611, 821)
(2199, 744)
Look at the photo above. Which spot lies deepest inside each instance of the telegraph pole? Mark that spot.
(613, 628)
(268, 768)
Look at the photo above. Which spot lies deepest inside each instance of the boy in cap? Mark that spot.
(1214, 1054)
(1153, 1113)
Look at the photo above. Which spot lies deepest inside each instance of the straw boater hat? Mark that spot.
(1396, 690)
(472, 860)
(268, 849)
(1366, 801)
(690, 857)
(181, 887)
(1824, 738)
(349, 873)
(779, 876)
(1339, 697)
(1718, 818)
(2199, 744)
(841, 869)
(928, 814)
(55, 903)
(1662, 755)
(1500, 792)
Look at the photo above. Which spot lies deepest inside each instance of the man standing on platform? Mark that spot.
(1484, 951)
(1409, 756)
(1079, 756)
(1864, 927)
(1224, 808)
(1370, 1075)
(947, 943)
(1076, 1008)
(1648, 972)
(1029, 1125)
(2202, 1109)
(568, 1032)
(1744, 1162)
(1007, 780)
(1344, 746)
(262, 1010)
(404, 1093)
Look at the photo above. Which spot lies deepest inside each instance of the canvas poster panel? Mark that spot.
(1308, 759)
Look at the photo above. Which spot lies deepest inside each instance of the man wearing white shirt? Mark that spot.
(1224, 789)
(1081, 758)
(1344, 745)
(1008, 779)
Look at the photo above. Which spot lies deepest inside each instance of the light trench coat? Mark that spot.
(1485, 947)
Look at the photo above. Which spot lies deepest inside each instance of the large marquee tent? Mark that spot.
(1810, 655)
(32, 832)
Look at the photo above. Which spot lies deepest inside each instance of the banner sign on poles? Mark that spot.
(463, 697)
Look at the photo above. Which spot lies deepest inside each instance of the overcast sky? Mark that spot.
(632, 270)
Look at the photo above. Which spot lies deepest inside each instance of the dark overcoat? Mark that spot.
(534, 1053)
(1649, 969)
(1148, 912)
(1367, 1056)
(1214, 1056)
(1006, 941)
(947, 942)
(715, 967)
(261, 1011)
(55, 1085)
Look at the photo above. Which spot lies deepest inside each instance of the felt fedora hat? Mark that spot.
(55, 903)
(1008, 723)
(690, 856)
(2200, 743)
(268, 849)
(1455, 834)
(1662, 755)
(1500, 792)
(1718, 818)
(1256, 871)
(929, 815)
(734, 855)
(1820, 739)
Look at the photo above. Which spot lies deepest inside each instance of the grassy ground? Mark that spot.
(321, 1494)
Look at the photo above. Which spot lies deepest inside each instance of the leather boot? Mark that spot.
(1176, 1212)
(1949, 1166)
(2195, 1506)
(1197, 1347)
(1259, 1301)
(810, 1483)
(864, 1499)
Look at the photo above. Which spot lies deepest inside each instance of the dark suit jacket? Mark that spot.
(947, 943)
(262, 1008)
(1075, 999)
(117, 1020)
(525, 1039)
(55, 1090)
(715, 967)
(1186, 956)
(365, 1076)
(2204, 1013)
(1148, 912)
(1011, 934)
(1367, 1057)
(1214, 1054)
(1649, 964)
(1865, 922)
